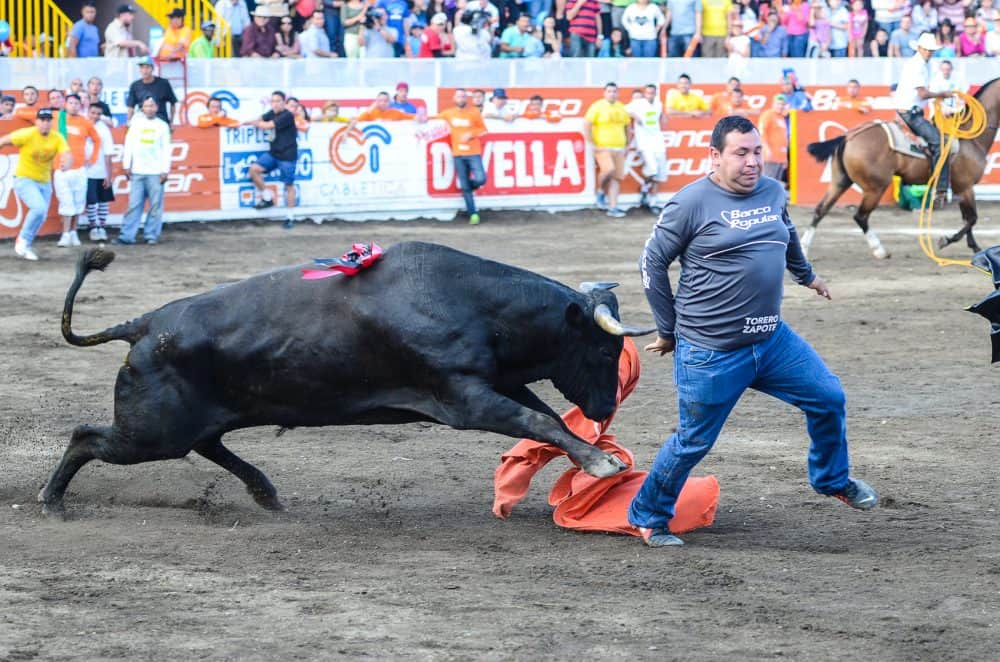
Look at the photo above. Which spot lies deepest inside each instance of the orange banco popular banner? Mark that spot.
(193, 184)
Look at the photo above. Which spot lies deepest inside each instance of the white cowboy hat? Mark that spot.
(927, 41)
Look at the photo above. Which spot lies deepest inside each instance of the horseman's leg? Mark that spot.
(923, 128)
(967, 205)
(869, 201)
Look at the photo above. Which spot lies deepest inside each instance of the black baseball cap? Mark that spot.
(123, 9)
(43, 114)
(176, 13)
(8, 98)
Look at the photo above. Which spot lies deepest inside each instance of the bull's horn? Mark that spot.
(607, 321)
(589, 286)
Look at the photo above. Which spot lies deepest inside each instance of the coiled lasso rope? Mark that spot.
(973, 118)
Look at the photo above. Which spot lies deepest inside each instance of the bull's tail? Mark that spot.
(95, 258)
(823, 150)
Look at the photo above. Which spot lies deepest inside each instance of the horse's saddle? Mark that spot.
(903, 140)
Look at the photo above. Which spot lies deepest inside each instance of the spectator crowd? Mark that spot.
(482, 29)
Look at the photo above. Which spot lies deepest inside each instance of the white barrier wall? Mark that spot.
(333, 74)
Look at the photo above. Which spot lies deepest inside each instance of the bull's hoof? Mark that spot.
(604, 466)
(268, 501)
(55, 510)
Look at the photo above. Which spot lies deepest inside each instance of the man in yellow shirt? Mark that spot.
(39, 145)
(682, 102)
(177, 36)
(608, 126)
(714, 27)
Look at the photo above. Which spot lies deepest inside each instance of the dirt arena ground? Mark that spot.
(388, 548)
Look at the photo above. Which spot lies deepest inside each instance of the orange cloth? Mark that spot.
(78, 129)
(774, 133)
(547, 115)
(176, 42)
(721, 103)
(462, 121)
(27, 113)
(387, 115)
(209, 120)
(858, 104)
(586, 503)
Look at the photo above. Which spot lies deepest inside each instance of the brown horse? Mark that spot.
(863, 156)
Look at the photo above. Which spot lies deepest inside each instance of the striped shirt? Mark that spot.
(584, 23)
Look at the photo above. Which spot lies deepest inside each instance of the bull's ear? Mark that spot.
(575, 315)
(589, 286)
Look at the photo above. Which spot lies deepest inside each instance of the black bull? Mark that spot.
(426, 334)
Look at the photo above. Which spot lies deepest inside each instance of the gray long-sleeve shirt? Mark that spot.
(733, 250)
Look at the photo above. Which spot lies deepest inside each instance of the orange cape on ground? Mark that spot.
(586, 503)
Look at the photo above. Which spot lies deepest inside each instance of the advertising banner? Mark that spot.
(192, 186)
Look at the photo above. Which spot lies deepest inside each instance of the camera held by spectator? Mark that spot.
(476, 19)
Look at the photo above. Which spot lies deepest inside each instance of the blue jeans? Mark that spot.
(708, 385)
(580, 47)
(36, 196)
(471, 176)
(797, 45)
(334, 30)
(143, 187)
(838, 52)
(677, 44)
(889, 27)
(645, 47)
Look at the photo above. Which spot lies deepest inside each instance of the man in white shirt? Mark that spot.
(649, 121)
(945, 80)
(313, 39)
(236, 14)
(99, 191)
(118, 39)
(146, 161)
(912, 93)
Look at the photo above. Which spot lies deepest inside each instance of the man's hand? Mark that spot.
(819, 285)
(661, 346)
(163, 177)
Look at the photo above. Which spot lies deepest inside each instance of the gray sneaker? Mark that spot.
(857, 494)
(659, 537)
(615, 212)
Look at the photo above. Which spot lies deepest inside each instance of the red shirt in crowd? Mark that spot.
(585, 22)
(430, 41)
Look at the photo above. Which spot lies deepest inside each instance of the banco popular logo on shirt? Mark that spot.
(351, 149)
(744, 219)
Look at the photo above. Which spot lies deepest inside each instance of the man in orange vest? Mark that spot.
(467, 127)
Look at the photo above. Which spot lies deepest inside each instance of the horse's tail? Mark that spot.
(95, 258)
(821, 151)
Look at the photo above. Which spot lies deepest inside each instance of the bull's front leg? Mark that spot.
(478, 406)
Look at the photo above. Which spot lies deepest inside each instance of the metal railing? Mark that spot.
(196, 11)
(38, 28)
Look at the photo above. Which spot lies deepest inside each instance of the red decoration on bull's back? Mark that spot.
(361, 256)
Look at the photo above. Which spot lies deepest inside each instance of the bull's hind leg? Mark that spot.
(86, 444)
(259, 487)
